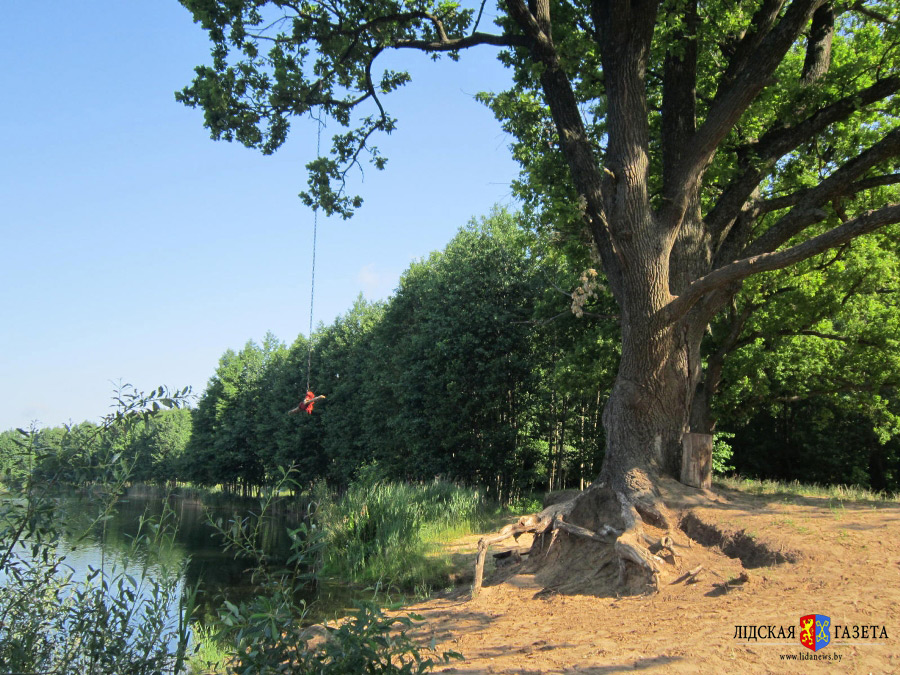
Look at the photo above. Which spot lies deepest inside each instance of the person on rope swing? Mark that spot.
(306, 405)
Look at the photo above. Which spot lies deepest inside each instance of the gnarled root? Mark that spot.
(638, 568)
(610, 526)
(550, 520)
(531, 523)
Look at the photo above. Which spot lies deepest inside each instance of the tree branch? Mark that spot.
(544, 322)
(760, 26)
(761, 156)
(733, 99)
(818, 47)
(828, 336)
(786, 201)
(871, 13)
(787, 332)
(886, 388)
(767, 262)
(449, 45)
(679, 103)
(573, 137)
(808, 209)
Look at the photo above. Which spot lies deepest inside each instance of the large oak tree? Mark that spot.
(690, 143)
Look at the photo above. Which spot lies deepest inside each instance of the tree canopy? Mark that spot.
(688, 144)
(754, 99)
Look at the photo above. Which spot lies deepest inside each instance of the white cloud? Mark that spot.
(376, 284)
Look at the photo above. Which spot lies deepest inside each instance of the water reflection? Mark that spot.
(195, 548)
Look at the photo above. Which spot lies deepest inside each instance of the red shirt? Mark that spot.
(308, 403)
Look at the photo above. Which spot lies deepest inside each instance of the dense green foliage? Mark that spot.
(127, 616)
(478, 371)
(688, 145)
(823, 440)
(152, 446)
(811, 366)
(458, 375)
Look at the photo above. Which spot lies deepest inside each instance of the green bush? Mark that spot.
(722, 453)
(121, 618)
(267, 634)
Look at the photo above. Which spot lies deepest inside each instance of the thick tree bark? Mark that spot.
(670, 268)
(818, 50)
(646, 412)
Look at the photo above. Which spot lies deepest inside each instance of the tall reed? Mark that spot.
(379, 531)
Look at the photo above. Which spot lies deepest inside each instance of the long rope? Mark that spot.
(312, 291)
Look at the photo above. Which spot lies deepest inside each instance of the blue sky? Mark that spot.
(136, 248)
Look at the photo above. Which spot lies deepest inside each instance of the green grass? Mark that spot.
(207, 654)
(379, 532)
(773, 487)
(390, 534)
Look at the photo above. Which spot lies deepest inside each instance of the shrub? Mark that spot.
(722, 452)
(117, 620)
(267, 634)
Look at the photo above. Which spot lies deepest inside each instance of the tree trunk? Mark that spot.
(647, 412)
(645, 420)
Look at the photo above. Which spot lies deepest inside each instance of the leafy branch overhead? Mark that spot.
(737, 109)
(273, 61)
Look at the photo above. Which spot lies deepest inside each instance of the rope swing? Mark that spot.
(306, 405)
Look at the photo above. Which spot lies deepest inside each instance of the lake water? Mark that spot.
(196, 548)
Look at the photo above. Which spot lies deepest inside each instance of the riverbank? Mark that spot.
(769, 558)
(839, 559)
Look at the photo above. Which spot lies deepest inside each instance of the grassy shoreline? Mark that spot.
(757, 486)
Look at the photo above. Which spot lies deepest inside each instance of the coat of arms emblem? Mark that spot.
(814, 631)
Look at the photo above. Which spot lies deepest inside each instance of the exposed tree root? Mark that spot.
(633, 555)
(592, 530)
(692, 576)
(532, 523)
(637, 566)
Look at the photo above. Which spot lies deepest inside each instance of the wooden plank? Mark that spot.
(696, 460)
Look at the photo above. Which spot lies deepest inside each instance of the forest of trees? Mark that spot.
(154, 450)
(491, 364)
(461, 374)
